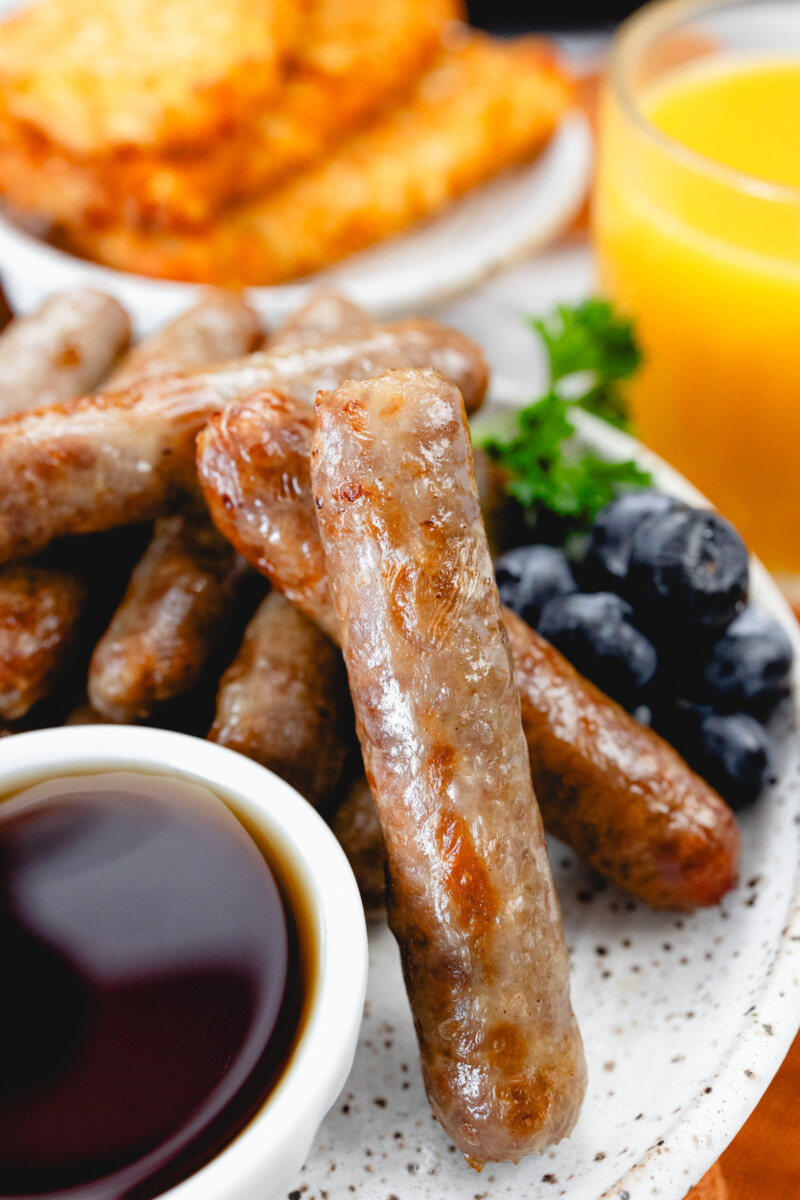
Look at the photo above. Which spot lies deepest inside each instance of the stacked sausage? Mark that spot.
(365, 519)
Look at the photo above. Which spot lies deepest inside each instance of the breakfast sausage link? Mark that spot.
(40, 611)
(222, 326)
(326, 314)
(615, 791)
(648, 823)
(283, 701)
(358, 831)
(471, 899)
(63, 349)
(120, 457)
(172, 617)
(253, 464)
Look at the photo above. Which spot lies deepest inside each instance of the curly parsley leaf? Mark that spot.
(545, 468)
(591, 340)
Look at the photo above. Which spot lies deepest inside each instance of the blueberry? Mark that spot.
(688, 571)
(733, 752)
(611, 537)
(530, 576)
(595, 633)
(748, 667)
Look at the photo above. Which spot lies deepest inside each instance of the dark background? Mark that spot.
(509, 17)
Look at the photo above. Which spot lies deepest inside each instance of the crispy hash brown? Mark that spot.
(484, 105)
(100, 75)
(348, 58)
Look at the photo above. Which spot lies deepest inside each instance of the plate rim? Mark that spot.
(765, 1035)
(27, 262)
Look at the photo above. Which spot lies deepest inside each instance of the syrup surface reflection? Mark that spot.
(151, 984)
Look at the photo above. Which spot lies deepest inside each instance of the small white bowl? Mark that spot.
(263, 1157)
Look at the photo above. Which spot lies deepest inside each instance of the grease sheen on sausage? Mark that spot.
(471, 899)
(615, 791)
(172, 616)
(119, 457)
(40, 611)
(253, 463)
(358, 831)
(283, 700)
(325, 314)
(678, 842)
(220, 327)
(63, 349)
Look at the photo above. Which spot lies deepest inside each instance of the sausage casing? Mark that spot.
(358, 831)
(615, 791)
(40, 611)
(253, 463)
(471, 899)
(63, 349)
(172, 616)
(283, 701)
(326, 314)
(680, 848)
(120, 457)
(222, 326)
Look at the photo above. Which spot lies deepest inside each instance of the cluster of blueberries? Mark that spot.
(655, 613)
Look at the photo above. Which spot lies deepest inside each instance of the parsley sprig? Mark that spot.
(591, 352)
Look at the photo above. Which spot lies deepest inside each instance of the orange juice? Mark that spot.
(698, 234)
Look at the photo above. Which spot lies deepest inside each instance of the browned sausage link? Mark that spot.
(63, 349)
(253, 463)
(326, 314)
(358, 830)
(262, 503)
(170, 620)
(40, 610)
(301, 370)
(283, 701)
(120, 457)
(471, 899)
(615, 791)
(222, 326)
(84, 714)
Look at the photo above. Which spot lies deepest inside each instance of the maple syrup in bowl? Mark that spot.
(175, 1019)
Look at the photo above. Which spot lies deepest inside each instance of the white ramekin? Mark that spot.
(266, 1155)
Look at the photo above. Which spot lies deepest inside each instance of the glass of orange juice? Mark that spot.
(697, 225)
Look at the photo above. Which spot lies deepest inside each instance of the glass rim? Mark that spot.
(633, 37)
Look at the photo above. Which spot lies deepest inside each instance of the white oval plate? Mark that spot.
(514, 214)
(685, 1018)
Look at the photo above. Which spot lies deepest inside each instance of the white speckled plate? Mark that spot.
(685, 1018)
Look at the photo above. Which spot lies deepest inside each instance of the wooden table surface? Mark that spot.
(763, 1162)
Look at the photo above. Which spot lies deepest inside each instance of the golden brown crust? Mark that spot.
(358, 830)
(115, 458)
(40, 611)
(326, 314)
(347, 60)
(614, 790)
(97, 76)
(252, 459)
(484, 106)
(283, 701)
(680, 845)
(221, 327)
(172, 616)
(471, 898)
(63, 349)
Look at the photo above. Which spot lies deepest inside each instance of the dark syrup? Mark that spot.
(151, 984)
